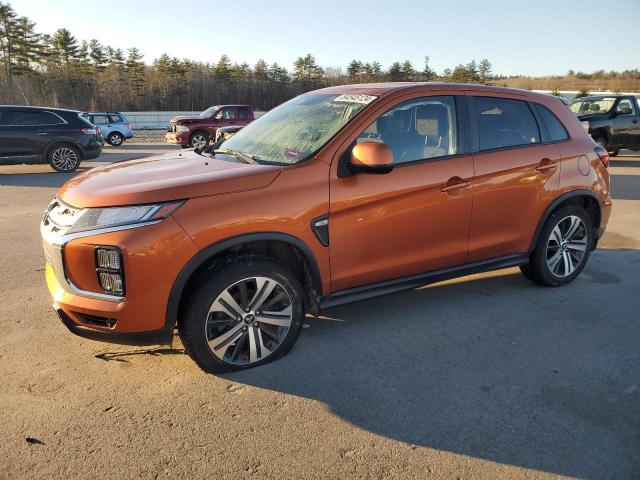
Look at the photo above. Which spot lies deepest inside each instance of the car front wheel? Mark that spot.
(245, 312)
(199, 140)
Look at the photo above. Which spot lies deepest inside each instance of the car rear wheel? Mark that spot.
(199, 139)
(245, 312)
(563, 248)
(64, 158)
(115, 139)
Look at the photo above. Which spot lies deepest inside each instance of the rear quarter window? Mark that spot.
(554, 126)
(116, 119)
(504, 123)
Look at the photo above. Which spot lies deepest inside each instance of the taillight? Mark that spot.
(90, 131)
(127, 125)
(603, 154)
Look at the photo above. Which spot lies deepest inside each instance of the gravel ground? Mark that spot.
(487, 376)
(148, 136)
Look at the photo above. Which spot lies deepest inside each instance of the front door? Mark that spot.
(414, 219)
(625, 124)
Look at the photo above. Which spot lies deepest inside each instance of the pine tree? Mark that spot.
(135, 71)
(260, 70)
(97, 55)
(354, 69)
(395, 72)
(306, 68)
(65, 47)
(484, 70)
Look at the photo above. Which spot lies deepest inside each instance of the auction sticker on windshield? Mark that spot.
(351, 98)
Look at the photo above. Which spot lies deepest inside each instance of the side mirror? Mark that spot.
(371, 157)
(623, 110)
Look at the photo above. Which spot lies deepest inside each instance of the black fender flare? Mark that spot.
(549, 210)
(200, 258)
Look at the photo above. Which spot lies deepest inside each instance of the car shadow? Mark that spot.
(495, 368)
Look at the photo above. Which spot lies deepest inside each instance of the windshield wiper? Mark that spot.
(241, 155)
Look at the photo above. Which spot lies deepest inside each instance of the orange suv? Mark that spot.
(338, 195)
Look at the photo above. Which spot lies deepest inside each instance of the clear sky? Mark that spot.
(519, 37)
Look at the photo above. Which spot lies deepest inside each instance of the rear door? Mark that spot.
(103, 122)
(516, 175)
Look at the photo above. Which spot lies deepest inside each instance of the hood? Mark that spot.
(157, 178)
(185, 119)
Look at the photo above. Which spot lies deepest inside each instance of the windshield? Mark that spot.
(208, 112)
(297, 129)
(592, 105)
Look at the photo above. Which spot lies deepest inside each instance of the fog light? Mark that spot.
(109, 268)
(110, 282)
(108, 259)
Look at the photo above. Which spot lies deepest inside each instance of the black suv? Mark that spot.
(61, 138)
(614, 120)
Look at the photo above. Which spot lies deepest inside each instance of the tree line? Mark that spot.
(59, 70)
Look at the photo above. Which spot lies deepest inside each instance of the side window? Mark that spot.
(115, 119)
(554, 126)
(417, 129)
(227, 113)
(504, 123)
(243, 112)
(24, 118)
(100, 120)
(625, 107)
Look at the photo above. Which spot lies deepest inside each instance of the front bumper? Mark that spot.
(177, 138)
(164, 336)
(152, 256)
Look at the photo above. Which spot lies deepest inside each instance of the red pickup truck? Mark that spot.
(196, 131)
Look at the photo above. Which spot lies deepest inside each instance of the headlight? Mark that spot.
(182, 128)
(94, 218)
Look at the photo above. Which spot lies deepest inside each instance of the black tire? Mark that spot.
(115, 139)
(64, 158)
(194, 139)
(538, 269)
(193, 324)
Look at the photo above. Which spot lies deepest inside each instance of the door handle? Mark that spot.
(546, 164)
(455, 186)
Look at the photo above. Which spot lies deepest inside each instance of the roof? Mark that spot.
(48, 109)
(381, 89)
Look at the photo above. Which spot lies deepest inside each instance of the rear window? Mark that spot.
(554, 126)
(504, 123)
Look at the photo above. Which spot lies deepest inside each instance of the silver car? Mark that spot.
(114, 126)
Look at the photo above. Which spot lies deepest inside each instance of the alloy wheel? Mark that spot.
(567, 246)
(198, 141)
(116, 139)
(64, 159)
(249, 320)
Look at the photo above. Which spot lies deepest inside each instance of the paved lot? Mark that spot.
(483, 377)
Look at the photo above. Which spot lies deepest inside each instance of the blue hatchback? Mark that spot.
(114, 126)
